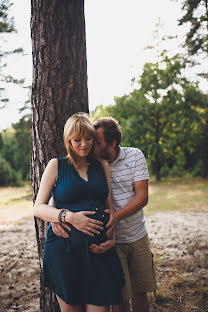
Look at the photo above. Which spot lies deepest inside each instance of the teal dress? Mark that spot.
(74, 273)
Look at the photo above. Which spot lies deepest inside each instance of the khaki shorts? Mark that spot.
(138, 267)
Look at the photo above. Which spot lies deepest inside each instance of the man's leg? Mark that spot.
(122, 251)
(140, 302)
(141, 271)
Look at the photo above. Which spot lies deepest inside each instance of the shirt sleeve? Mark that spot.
(140, 169)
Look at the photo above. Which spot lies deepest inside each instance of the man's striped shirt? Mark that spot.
(130, 166)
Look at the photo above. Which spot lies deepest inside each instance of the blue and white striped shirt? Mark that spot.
(130, 166)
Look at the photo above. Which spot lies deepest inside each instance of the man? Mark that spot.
(129, 188)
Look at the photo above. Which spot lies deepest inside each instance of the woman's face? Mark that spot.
(82, 145)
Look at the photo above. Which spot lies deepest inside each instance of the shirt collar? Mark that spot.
(121, 155)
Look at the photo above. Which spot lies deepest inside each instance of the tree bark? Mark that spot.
(158, 151)
(59, 90)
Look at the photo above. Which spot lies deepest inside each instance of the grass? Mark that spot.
(15, 203)
(184, 194)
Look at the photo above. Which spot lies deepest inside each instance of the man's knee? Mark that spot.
(140, 302)
(125, 307)
(140, 295)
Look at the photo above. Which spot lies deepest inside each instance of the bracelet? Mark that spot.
(62, 213)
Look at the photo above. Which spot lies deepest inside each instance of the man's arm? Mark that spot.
(137, 203)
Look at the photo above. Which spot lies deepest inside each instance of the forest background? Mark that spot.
(165, 114)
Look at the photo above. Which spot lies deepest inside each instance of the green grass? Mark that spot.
(184, 194)
(9, 194)
(15, 203)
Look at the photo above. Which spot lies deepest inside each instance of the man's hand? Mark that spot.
(111, 223)
(99, 249)
(59, 230)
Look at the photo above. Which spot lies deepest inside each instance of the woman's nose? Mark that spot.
(83, 142)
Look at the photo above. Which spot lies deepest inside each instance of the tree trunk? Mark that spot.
(59, 90)
(157, 150)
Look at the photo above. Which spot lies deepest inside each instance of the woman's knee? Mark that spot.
(67, 307)
(93, 308)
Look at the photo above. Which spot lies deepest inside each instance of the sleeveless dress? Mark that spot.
(74, 273)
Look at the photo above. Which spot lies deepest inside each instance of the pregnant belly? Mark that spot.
(100, 215)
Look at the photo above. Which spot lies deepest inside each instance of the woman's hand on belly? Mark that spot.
(83, 223)
(99, 249)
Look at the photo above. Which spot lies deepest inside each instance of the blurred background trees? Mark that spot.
(166, 115)
(6, 26)
(15, 146)
(15, 142)
(163, 116)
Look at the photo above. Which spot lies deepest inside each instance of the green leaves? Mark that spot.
(15, 144)
(6, 23)
(195, 13)
(163, 118)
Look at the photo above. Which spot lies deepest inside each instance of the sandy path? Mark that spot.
(180, 244)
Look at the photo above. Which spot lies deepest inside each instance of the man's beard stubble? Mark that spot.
(105, 154)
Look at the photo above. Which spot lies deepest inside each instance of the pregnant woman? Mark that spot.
(80, 187)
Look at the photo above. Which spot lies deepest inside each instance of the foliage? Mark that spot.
(6, 26)
(8, 176)
(196, 14)
(15, 148)
(6, 23)
(163, 117)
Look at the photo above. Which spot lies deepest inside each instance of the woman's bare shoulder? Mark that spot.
(53, 162)
(52, 166)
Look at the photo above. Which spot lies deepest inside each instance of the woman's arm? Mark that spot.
(41, 208)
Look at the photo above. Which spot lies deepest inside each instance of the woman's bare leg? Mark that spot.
(65, 307)
(93, 308)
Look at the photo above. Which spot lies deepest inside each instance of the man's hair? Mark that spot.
(112, 130)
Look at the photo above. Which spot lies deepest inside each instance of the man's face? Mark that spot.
(102, 148)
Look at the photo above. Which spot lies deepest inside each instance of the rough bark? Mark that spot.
(59, 90)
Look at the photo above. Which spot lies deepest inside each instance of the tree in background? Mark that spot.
(147, 113)
(15, 146)
(8, 174)
(162, 116)
(59, 90)
(6, 26)
(196, 14)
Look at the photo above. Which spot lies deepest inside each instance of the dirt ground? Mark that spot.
(179, 242)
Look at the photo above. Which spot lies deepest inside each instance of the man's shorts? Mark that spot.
(138, 267)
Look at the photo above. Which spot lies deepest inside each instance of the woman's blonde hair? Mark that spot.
(76, 126)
